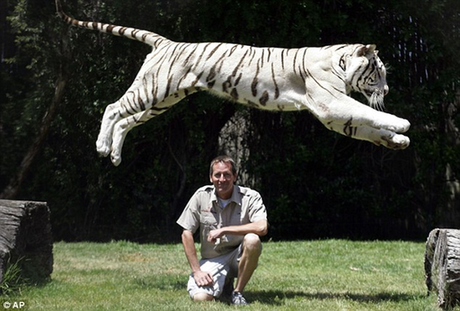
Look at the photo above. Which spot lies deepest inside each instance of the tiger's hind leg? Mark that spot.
(121, 129)
(134, 101)
(127, 107)
(123, 126)
(104, 139)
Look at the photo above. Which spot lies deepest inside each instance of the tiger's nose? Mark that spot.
(386, 89)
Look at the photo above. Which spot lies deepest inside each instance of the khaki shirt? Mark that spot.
(205, 212)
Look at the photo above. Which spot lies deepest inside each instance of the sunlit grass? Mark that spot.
(310, 275)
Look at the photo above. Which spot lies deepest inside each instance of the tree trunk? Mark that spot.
(442, 266)
(14, 186)
(25, 238)
(11, 191)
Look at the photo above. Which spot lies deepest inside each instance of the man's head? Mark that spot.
(223, 174)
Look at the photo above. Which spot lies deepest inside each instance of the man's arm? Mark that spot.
(258, 227)
(201, 278)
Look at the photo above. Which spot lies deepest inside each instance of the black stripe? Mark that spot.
(197, 79)
(319, 84)
(303, 61)
(131, 106)
(282, 58)
(212, 74)
(190, 55)
(202, 53)
(269, 54)
(364, 74)
(264, 98)
(227, 84)
(239, 64)
(183, 77)
(233, 49)
(294, 61)
(277, 91)
(253, 53)
(348, 129)
(122, 31)
(168, 86)
(213, 51)
(159, 109)
(255, 81)
(234, 94)
(238, 79)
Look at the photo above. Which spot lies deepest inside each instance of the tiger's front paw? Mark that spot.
(400, 126)
(404, 126)
(395, 141)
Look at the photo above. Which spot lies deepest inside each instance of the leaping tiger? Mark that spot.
(317, 79)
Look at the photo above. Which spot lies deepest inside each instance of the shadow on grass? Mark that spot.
(276, 297)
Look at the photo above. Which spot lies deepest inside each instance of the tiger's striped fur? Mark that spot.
(316, 79)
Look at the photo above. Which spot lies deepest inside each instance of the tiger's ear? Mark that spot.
(367, 49)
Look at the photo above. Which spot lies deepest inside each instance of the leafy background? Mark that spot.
(55, 82)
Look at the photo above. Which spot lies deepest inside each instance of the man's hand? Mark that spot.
(259, 227)
(214, 235)
(203, 278)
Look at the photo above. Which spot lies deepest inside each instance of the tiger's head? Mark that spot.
(366, 74)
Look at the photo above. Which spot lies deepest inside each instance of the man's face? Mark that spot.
(223, 179)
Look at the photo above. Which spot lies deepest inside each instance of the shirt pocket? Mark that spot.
(235, 219)
(208, 222)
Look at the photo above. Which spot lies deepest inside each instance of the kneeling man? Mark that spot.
(231, 219)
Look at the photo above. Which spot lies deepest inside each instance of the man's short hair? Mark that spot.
(223, 159)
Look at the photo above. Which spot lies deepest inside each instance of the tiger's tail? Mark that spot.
(144, 36)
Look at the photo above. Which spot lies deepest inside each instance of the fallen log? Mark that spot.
(26, 239)
(442, 266)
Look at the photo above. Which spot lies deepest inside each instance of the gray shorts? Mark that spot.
(220, 268)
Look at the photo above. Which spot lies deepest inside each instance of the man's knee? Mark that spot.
(202, 297)
(252, 243)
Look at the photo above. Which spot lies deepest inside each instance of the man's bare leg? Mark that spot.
(252, 248)
(202, 297)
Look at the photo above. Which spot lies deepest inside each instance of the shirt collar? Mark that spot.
(236, 195)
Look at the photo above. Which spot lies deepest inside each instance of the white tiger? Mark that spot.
(316, 79)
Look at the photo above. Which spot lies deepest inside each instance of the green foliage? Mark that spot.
(12, 280)
(315, 183)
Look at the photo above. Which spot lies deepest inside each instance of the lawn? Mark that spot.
(307, 275)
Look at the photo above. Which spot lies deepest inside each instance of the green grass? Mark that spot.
(11, 280)
(310, 275)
